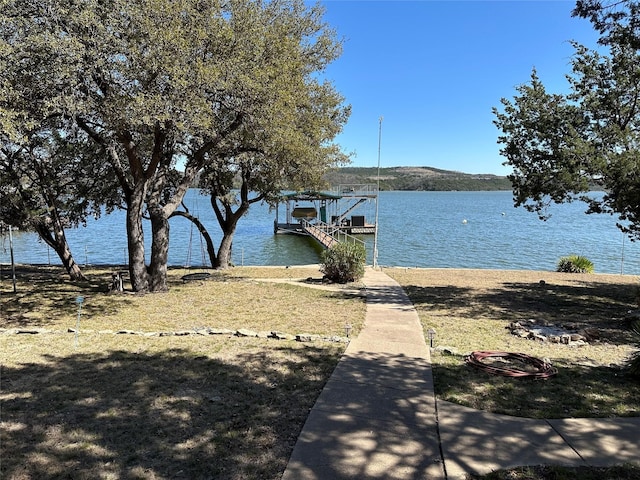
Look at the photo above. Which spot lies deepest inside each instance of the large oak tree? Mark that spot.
(167, 86)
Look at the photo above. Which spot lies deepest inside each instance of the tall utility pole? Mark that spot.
(375, 232)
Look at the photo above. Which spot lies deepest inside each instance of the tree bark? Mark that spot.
(56, 239)
(159, 250)
(135, 241)
(223, 260)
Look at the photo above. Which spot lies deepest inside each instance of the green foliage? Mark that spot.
(245, 99)
(344, 262)
(575, 264)
(560, 146)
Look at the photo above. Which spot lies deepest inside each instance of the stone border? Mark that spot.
(542, 332)
(202, 331)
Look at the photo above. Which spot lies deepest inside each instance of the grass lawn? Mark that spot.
(111, 406)
(144, 406)
(470, 310)
(622, 472)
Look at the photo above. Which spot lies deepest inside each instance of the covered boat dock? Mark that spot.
(347, 209)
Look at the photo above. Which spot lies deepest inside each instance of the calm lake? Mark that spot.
(417, 229)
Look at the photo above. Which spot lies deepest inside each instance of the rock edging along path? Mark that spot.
(299, 337)
(376, 416)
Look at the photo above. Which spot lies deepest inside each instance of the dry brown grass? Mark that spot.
(469, 309)
(150, 407)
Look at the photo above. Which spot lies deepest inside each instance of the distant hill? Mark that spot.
(418, 178)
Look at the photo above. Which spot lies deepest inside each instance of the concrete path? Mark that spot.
(377, 417)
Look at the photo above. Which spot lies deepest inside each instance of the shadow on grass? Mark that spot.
(165, 415)
(621, 472)
(48, 291)
(576, 391)
(576, 306)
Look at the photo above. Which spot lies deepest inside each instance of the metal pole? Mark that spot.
(79, 301)
(622, 257)
(375, 232)
(13, 264)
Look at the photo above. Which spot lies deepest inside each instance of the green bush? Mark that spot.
(344, 262)
(575, 264)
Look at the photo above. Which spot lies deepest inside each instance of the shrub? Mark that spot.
(344, 262)
(575, 264)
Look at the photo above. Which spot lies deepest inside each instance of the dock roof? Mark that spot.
(310, 195)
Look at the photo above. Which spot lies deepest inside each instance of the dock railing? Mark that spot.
(357, 190)
(327, 234)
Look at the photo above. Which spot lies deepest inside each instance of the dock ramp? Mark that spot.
(327, 235)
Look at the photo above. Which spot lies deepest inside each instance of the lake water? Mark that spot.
(417, 229)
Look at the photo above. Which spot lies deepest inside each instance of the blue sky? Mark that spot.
(434, 69)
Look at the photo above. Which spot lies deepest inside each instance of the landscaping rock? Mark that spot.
(221, 331)
(307, 337)
(30, 331)
(337, 339)
(542, 332)
(447, 350)
(246, 333)
(279, 335)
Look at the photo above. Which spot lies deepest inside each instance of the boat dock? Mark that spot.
(329, 217)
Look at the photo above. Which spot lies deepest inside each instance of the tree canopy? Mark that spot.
(166, 89)
(561, 146)
(46, 186)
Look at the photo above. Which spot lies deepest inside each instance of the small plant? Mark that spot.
(575, 264)
(344, 262)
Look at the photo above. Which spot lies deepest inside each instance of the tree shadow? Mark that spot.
(476, 442)
(48, 291)
(375, 418)
(576, 391)
(162, 415)
(576, 306)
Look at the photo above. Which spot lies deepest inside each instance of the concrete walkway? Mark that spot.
(377, 417)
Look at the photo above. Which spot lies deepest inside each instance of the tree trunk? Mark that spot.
(228, 221)
(223, 260)
(135, 241)
(58, 241)
(159, 250)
